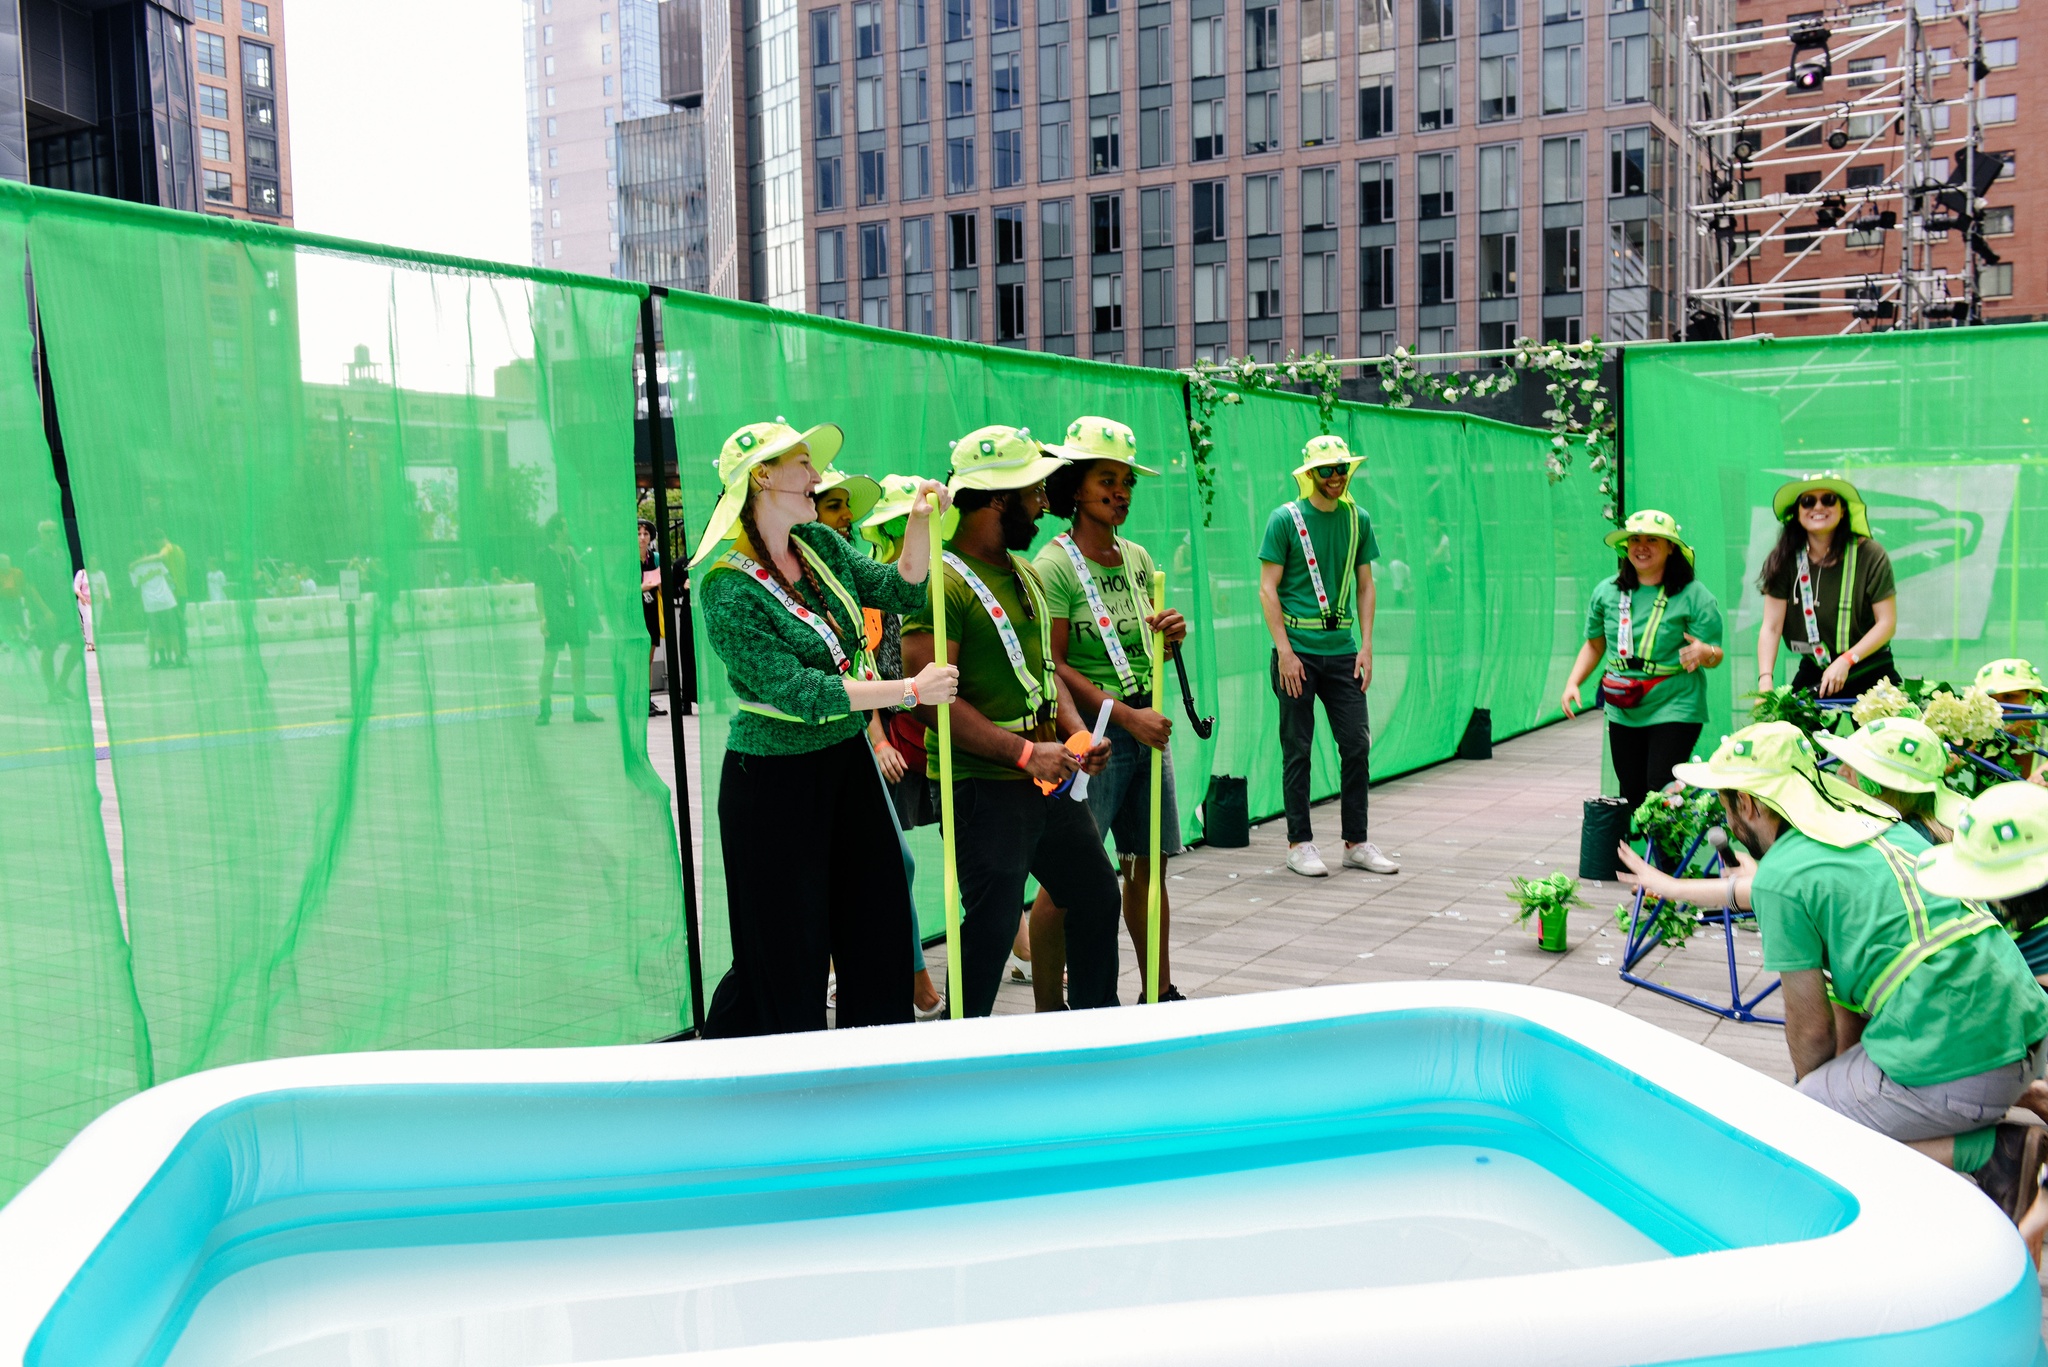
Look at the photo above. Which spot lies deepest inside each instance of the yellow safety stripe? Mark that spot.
(1928, 941)
(1339, 622)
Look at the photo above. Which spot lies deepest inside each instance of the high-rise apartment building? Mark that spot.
(589, 65)
(1154, 182)
(171, 102)
(664, 204)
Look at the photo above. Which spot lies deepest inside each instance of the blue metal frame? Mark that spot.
(1644, 937)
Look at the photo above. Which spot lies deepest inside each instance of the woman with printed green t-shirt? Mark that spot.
(1656, 627)
(1098, 589)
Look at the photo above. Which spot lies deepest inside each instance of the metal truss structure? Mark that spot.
(1821, 106)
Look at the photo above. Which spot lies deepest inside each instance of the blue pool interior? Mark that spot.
(1376, 1150)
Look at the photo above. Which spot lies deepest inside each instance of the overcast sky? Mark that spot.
(408, 123)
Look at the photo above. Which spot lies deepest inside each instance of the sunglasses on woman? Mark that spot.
(1820, 500)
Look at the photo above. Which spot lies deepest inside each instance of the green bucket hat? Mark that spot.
(1786, 500)
(1328, 449)
(755, 445)
(997, 458)
(2010, 676)
(1774, 763)
(1649, 522)
(1099, 439)
(1903, 754)
(2000, 849)
(898, 493)
(863, 493)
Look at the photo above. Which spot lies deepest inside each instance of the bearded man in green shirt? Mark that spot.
(1911, 1013)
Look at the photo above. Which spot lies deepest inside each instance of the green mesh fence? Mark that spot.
(1483, 610)
(329, 495)
(70, 1041)
(1941, 431)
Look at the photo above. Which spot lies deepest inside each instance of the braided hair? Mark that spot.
(819, 599)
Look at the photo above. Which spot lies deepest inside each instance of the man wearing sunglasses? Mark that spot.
(1829, 594)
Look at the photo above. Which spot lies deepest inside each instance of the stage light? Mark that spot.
(1829, 212)
(1838, 139)
(1809, 73)
(1744, 146)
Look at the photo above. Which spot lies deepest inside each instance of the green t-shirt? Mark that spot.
(1874, 584)
(1691, 611)
(1331, 535)
(986, 679)
(1125, 591)
(1971, 1008)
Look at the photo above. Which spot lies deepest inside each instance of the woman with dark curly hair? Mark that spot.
(1837, 581)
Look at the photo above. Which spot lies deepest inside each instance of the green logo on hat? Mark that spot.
(1909, 746)
(1745, 749)
(988, 448)
(2006, 831)
(746, 440)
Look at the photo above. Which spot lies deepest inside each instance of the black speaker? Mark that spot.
(1226, 813)
(1604, 826)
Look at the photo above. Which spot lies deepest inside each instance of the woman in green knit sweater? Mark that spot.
(782, 608)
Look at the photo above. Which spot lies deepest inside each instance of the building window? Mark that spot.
(959, 165)
(1155, 137)
(1212, 293)
(547, 66)
(209, 11)
(831, 256)
(1999, 52)
(1564, 170)
(604, 20)
(1009, 221)
(1155, 55)
(910, 26)
(1261, 37)
(1003, 16)
(1105, 64)
(1562, 11)
(1319, 113)
(1055, 72)
(1056, 150)
(1500, 177)
(1006, 80)
(867, 28)
(825, 111)
(959, 20)
(959, 88)
(1007, 159)
(1056, 311)
(1376, 107)
(917, 246)
(1263, 298)
(1995, 282)
(1868, 71)
(874, 251)
(1108, 302)
(919, 310)
(824, 37)
(1010, 312)
(1155, 217)
(1997, 221)
(1499, 261)
(1436, 96)
(213, 144)
(1105, 143)
(1436, 185)
(1561, 260)
(1262, 121)
(550, 93)
(220, 187)
(914, 97)
(213, 102)
(1436, 20)
(1319, 284)
(1628, 69)
(1318, 199)
(831, 184)
(917, 171)
(1210, 219)
(1205, 49)
(1375, 25)
(1105, 225)
(210, 53)
(1155, 297)
(1500, 88)
(1564, 79)
(867, 104)
(1498, 16)
(874, 176)
(963, 241)
(1375, 192)
(1628, 154)
(875, 312)
(1376, 278)
(1261, 206)
(1998, 109)
(1101, 7)
(605, 55)
(963, 315)
(1056, 229)
(1436, 281)
(1209, 119)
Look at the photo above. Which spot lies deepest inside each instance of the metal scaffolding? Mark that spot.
(1809, 112)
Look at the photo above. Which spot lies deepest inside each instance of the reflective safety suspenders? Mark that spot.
(1625, 656)
(1928, 940)
(860, 665)
(1112, 642)
(1039, 691)
(1844, 601)
(1335, 616)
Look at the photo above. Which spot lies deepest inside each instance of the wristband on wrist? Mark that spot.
(1024, 759)
(1852, 657)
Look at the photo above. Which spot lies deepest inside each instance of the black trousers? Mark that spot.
(813, 871)
(1008, 829)
(1329, 678)
(1643, 755)
(1863, 676)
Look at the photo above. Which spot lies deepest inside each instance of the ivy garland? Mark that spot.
(1579, 407)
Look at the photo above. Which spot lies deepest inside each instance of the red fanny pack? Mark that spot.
(1616, 691)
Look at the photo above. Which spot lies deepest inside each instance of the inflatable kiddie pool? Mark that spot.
(1442, 1174)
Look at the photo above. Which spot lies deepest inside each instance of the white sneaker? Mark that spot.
(1366, 855)
(935, 1013)
(1020, 970)
(1306, 860)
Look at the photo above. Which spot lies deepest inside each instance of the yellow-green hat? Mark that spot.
(1649, 522)
(861, 492)
(997, 458)
(2010, 676)
(898, 493)
(754, 445)
(1328, 449)
(1903, 754)
(1773, 762)
(1099, 439)
(2000, 849)
(1786, 500)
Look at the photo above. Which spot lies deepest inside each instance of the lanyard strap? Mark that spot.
(759, 574)
(1126, 677)
(1625, 643)
(1037, 688)
(1928, 940)
(1333, 617)
(1844, 600)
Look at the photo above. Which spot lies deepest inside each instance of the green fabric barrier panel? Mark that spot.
(71, 1041)
(405, 861)
(1940, 430)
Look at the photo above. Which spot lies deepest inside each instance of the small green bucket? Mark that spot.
(1551, 922)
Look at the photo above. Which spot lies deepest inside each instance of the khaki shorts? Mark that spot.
(1853, 1085)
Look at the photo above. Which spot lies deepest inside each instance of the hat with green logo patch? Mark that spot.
(1785, 502)
(1902, 754)
(2010, 676)
(2000, 849)
(1649, 522)
(861, 492)
(748, 449)
(1099, 439)
(1774, 763)
(997, 458)
(1321, 452)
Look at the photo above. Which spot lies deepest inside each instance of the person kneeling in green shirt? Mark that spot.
(1909, 1012)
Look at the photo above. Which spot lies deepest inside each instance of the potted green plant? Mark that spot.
(1548, 900)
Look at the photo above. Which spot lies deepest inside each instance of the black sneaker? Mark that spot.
(654, 711)
(1171, 994)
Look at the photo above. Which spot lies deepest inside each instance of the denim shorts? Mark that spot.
(1120, 797)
